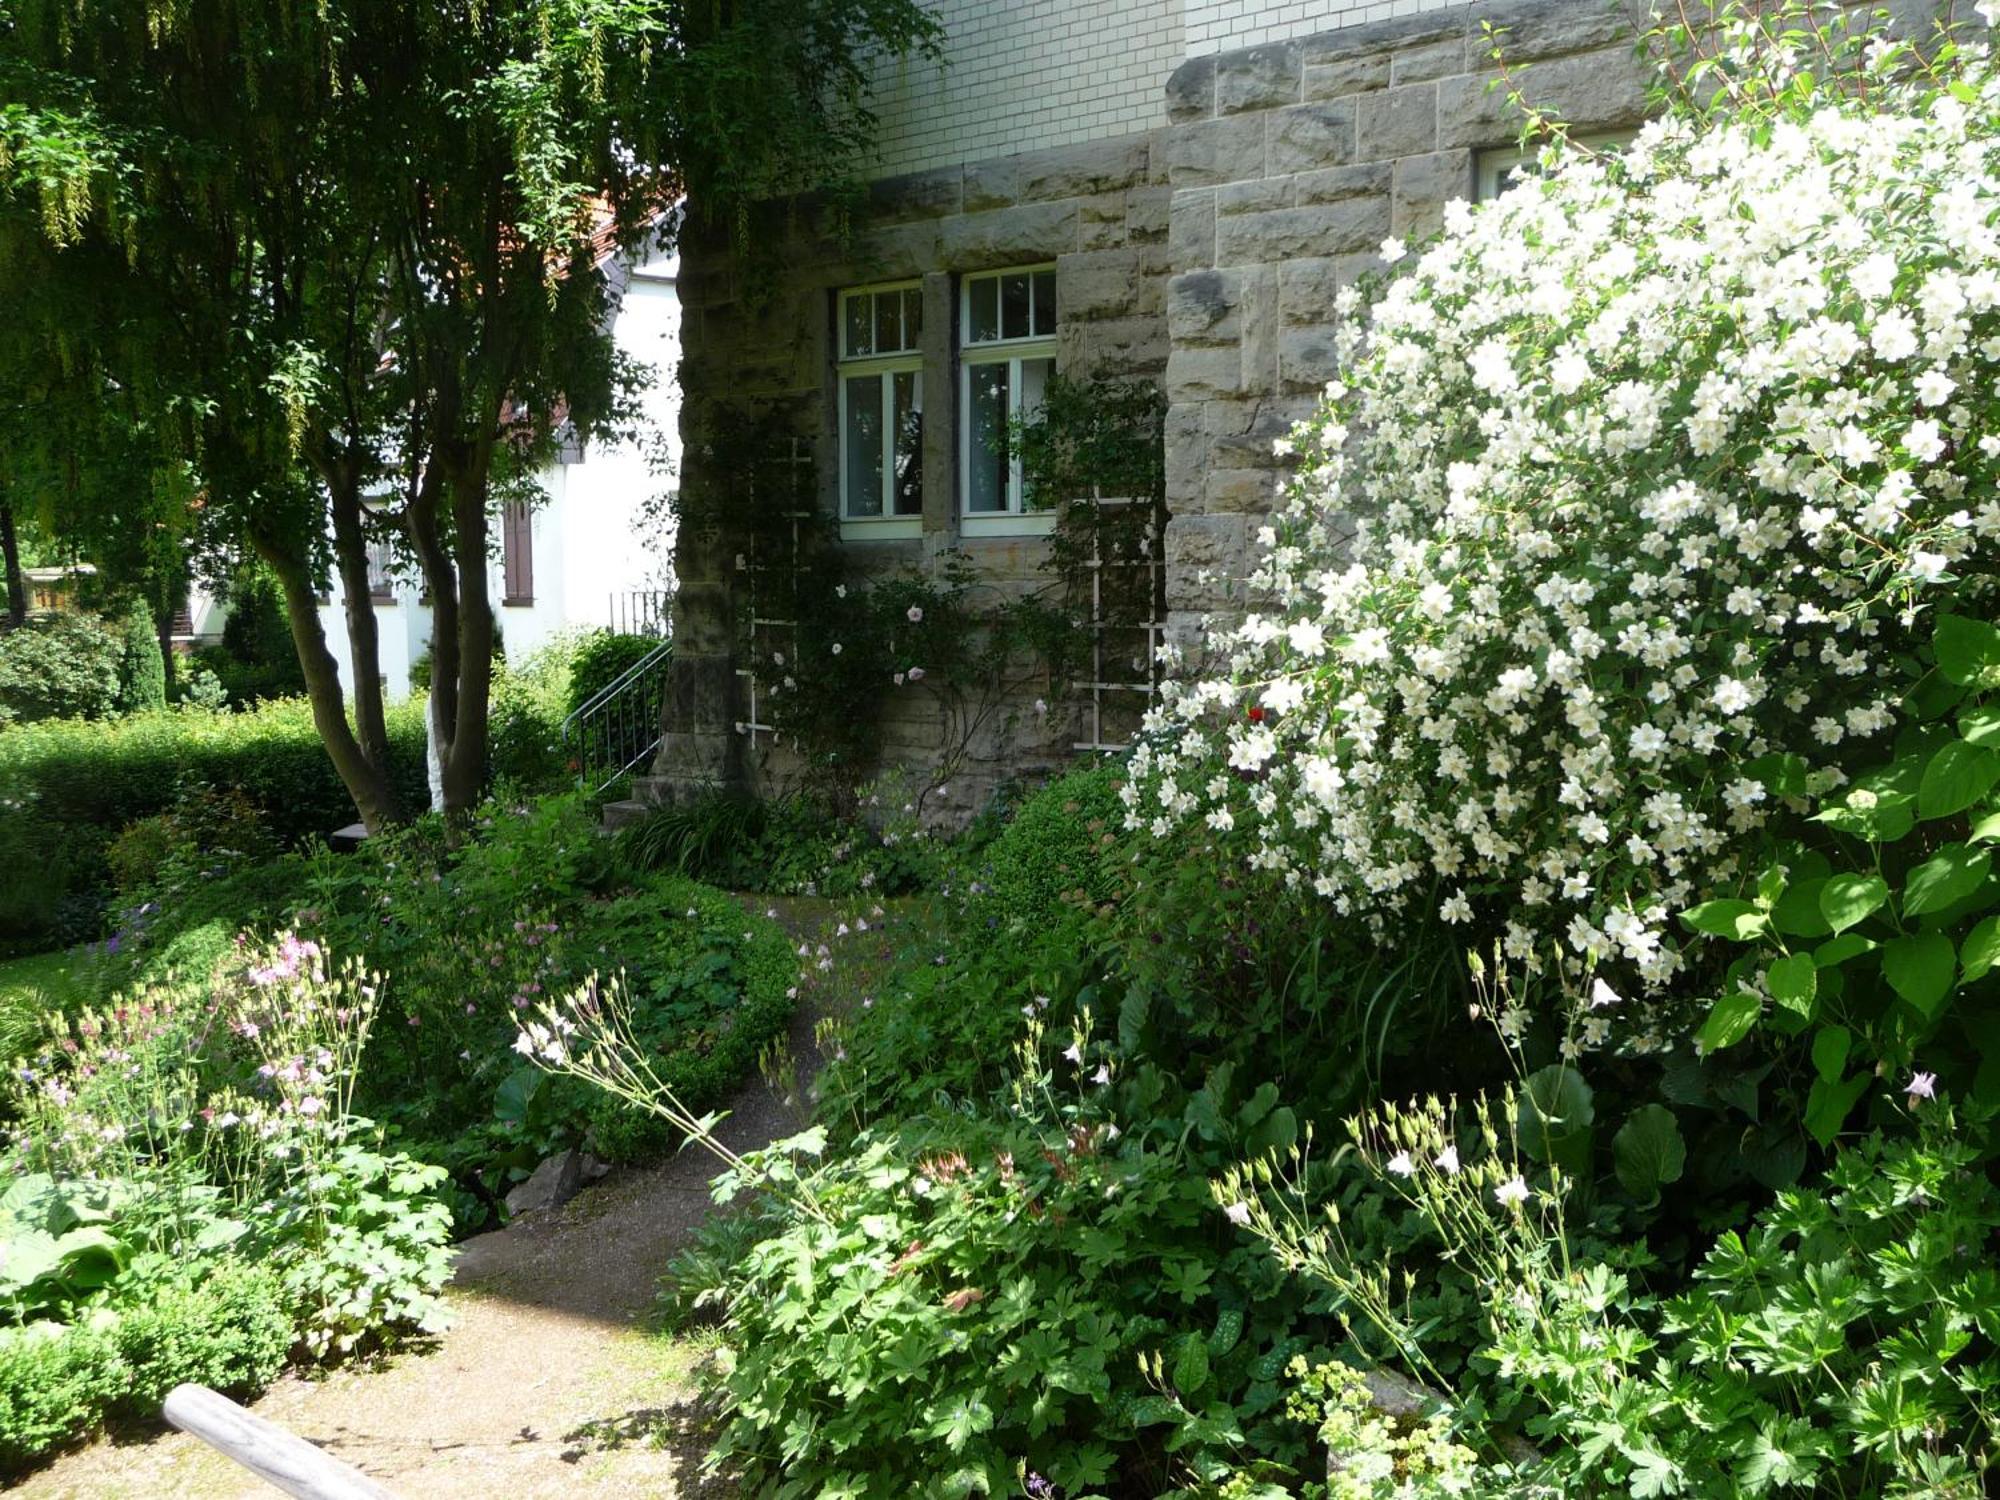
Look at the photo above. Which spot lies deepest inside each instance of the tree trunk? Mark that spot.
(350, 550)
(17, 586)
(368, 783)
(464, 770)
(441, 578)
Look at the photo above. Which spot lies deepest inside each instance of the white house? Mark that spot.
(581, 558)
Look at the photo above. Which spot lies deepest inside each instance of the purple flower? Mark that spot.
(1921, 1086)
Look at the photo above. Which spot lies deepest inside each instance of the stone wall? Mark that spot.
(761, 341)
(1289, 165)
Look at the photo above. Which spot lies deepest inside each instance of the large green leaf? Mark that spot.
(1945, 879)
(1981, 725)
(1847, 899)
(1730, 1021)
(1738, 921)
(1828, 1103)
(1794, 981)
(1968, 651)
(1976, 955)
(1798, 912)
(1648, 1152)
(1920, 967)
(1829, 1051)
(1955, 778)
(1555, 1115)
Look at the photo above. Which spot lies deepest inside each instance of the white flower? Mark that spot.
(1074, 1053)
(1238, 1214)
(914, 614)
(1400, 1165)
(1513, 1192)
(1446, 1161)
(1601, 995)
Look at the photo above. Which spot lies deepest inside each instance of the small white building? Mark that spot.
(586, 556)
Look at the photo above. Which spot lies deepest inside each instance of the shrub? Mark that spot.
(63, 666)
(227, 1326)
(1580, 550)
(601, 659)
(54, 1385)
(1055, 852)
(142, 671)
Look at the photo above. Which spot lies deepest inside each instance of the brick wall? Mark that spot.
(1220, 25)
(1022, 75)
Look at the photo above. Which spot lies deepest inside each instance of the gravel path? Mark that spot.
(546, 1385)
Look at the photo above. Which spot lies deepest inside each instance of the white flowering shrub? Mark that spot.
(1618, 521)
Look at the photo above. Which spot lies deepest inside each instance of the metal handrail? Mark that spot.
(618, 726)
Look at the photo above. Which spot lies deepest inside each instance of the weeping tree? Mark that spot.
(365, 256)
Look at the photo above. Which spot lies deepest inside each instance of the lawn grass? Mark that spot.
(30, 987)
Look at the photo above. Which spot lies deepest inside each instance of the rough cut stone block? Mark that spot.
(1308, 287)
(1253, 197)
(1351, 75)
(917, 195)
(1191, 90)
(1384, 37)
(1201, 308)
(1396, 122)
(1191, 229)
(1306, 357)
(897, 250)
(1241, 491)
(1435, 60)
(1204, 374)
(1593, 91)
(1062, 172)
(1101, 222)
(1424, 184)
(1312, 136)
(1110, 283)
(1008, 236)
(1532, 30)
(1146, 211)
(1198, 544)
(1315, 229)
(1212, 151)
(1335, 183)
(1256, 78)
(1121, 348)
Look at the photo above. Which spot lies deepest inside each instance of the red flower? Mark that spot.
(1256, 714)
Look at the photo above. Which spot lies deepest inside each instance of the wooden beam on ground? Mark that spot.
(264, 1448)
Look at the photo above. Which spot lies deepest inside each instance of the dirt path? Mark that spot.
(546, 1385)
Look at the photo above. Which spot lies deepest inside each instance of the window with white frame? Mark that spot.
(1499, 169)
(882, 406)
(1007, 353)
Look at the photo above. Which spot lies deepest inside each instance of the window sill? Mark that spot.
(527, 603)
(881, 528)
(1008, 523)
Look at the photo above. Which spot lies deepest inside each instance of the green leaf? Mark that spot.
(1555, 1115)
(1848, 899)
(1829, 1051)
(1986, 830)
(1920, 968)
(1968, 651)
(1837, 952)
(1794, 981)
(1956, 777)
(1648, 1152)
(1191, 1365)
(1980, 725)
(1797, 913)
(1976, 955)
(1828, 1104)
(1739, 921)
(1730, 1021)
(1945, 879)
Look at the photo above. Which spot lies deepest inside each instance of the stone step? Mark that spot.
(617, 815)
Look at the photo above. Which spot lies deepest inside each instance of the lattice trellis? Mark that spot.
(768, 622)
(1125, 668)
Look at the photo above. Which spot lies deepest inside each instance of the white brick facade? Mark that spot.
(1026, 74)
(1023, 75)
(1218, 25)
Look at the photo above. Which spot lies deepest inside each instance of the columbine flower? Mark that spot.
(1238, 1214)
(1074, 1053)
(1601, 995)
(915, 614)
(916, 674)
(1400, 1165)
(1513, 1192)
(1921, 1086)
(1447, 1161)
(1102, 1076)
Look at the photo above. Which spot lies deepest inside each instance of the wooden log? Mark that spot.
(276, 1456)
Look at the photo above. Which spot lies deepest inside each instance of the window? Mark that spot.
(882, 410)
(1007, 354)
(517, 553)
(1499, 169)
(381, 587)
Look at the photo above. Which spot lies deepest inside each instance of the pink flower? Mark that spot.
(916, 674)
(916, 614)
(1921, 1086)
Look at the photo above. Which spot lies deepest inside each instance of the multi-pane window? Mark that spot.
(881, 402)
(381, 584)
(1499, 169)
(1007, 354)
